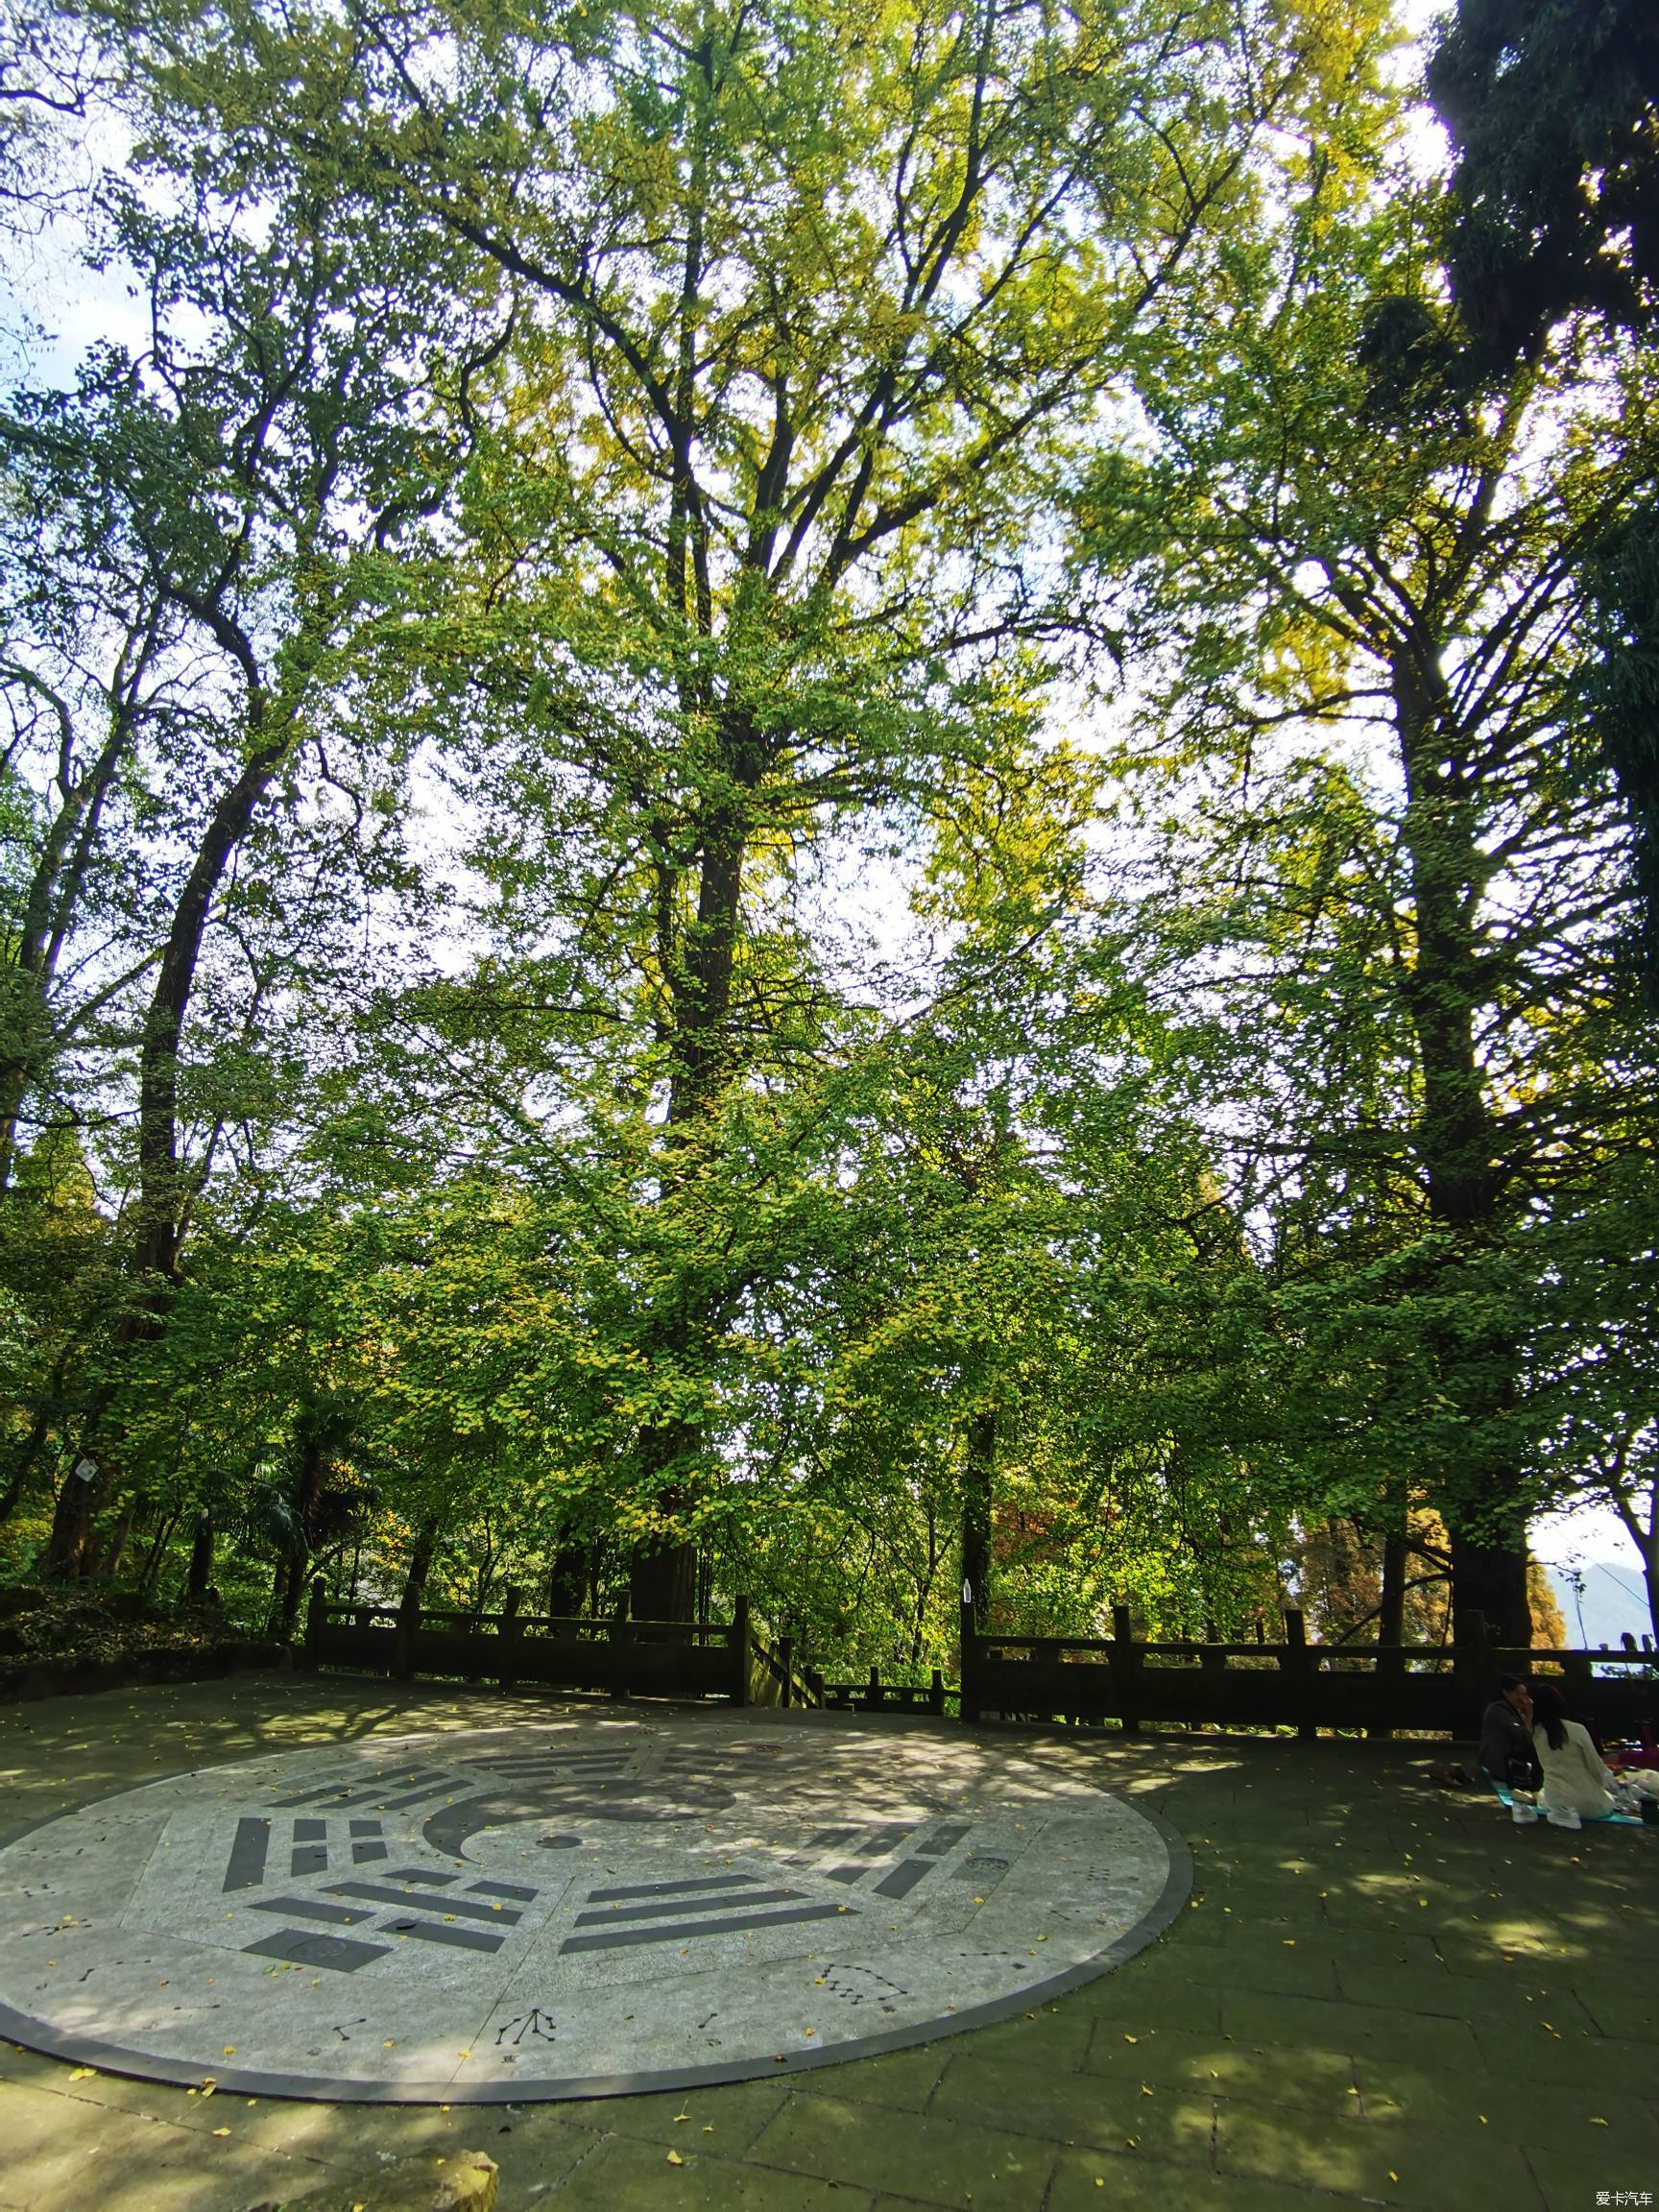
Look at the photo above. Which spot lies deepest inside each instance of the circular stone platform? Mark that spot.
(578, 1909)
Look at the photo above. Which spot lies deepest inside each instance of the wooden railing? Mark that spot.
(1292, 1684)
(620, 1657)
(873, 1695)
(775, 1678)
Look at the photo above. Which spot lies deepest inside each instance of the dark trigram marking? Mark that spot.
(422, 1874)
(416, 1796)
(245, 1869)
(386, 1794)
(343, 1786)
(670, 1888)
(905, 1878)
(310, 1854)
(381, 1893)
(511, 1890)
(366, 1842)
(435, 1931)
(883, 1841)
(941, 1841)
(339, 1954)
(522, 1763)
(614, 1914)
(900, 1880)
(682, 1932)
(311, 1908)
(535, 2024)
(703, 1905)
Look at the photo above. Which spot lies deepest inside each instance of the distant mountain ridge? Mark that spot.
(1613, 1599)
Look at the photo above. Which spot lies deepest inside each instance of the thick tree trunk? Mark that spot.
(1391, 1611)
(662, 1570)
(420, 1557)
(161, 1182)
(312, 1456)
(69, 1545)
(567, 1581)
(1457, 1140)
(1490, 1577)
(662, 1581)
(978, 1476)
(29, 1455)
(663, 1576)
(199, 1579)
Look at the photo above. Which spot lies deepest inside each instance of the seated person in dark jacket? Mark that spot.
(1507, 1750)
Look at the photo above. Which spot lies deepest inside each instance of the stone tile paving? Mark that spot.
(1381, 1994)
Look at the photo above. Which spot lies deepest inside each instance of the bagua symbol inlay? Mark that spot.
(675, 1911)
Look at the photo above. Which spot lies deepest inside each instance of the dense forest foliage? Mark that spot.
(830, 799)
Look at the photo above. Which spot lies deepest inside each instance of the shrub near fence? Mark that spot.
(1294, 1684)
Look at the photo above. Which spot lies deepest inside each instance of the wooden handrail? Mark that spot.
(1441, 1654)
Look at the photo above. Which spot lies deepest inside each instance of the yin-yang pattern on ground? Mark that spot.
(582, 1908)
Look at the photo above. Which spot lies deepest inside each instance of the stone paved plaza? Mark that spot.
(1376, 1992)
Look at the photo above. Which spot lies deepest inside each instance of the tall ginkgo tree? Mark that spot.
(811, 309)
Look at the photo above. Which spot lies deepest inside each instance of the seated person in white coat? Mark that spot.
(1576, 1777)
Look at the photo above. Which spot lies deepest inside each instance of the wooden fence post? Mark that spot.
(1299, 1667)
(740, 1641)
(1125, 1666)
(787, 1660)
(622, 1644)
(936, 1692)
(1472, 1666)
(316, 1617)
(1211, 1664)
(403, 1640)
(969, 1666)
(507, 1629)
